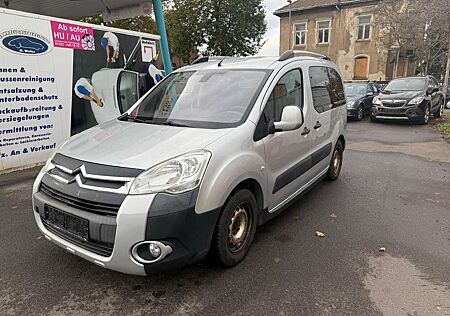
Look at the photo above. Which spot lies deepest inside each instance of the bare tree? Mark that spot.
(418, 26)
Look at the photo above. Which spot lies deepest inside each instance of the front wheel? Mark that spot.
(235, 229)
(440, 111)
(426, 116)
(335, 166)
(359, 114)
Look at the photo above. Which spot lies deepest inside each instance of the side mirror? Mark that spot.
(291, 119)
(431, 90)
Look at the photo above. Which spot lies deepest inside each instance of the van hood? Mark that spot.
(402, 95)
(137, 145)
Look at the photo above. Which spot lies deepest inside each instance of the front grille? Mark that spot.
(392, 111)
(88, 206)
(397, 104)
(102, 249)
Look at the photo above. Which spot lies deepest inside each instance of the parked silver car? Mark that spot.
(210, 153)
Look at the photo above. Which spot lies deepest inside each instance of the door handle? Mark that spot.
(306, 131)
(318, 125)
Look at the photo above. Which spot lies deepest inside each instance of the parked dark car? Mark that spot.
(359, 98)
(413, 99)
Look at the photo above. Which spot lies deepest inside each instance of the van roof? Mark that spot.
(254, 62)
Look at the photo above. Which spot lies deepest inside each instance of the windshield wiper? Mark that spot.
(150, 121)
(172, 123)
(138, 119)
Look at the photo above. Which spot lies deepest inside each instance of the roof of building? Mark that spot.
(302, 5)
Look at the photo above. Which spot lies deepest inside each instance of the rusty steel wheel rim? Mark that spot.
(337, 158)
(239, 227)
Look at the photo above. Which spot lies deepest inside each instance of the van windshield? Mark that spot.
(203, 98)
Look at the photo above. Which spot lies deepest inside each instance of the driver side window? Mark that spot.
(288, 91)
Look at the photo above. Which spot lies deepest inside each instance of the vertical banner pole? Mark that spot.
(159, 17)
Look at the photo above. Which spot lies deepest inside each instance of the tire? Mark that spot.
(440, 111)
(426, 116)
(359, 114)
(334, 169)
(235, 229)
(373, 119)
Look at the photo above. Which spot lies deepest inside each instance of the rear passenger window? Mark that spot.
(327, 88)
(321, 88)
(337, 89)
(288, 91)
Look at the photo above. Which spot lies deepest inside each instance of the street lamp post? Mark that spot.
(289, 28)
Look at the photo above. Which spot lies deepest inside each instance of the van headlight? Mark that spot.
(177, 175)
(376, 101)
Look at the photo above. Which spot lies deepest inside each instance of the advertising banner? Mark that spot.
(72, 36)
(58, 78)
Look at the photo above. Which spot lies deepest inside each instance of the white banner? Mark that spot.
(35, 92)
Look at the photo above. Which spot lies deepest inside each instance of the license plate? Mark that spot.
(74, 225)
(391, 110)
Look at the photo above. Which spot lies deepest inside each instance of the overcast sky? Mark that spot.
(273, 24)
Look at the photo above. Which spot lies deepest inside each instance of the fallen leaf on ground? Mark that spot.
(320, 234)
(14, 207)
(296, 217)
(38, 237)
(333, 215)
(382, 249)
(276, 259)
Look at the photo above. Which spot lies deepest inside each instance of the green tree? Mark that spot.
(185, 28)
(139, 24)
(234, 27)
(211, 27)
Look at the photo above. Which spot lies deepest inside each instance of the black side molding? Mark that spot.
(301, 167)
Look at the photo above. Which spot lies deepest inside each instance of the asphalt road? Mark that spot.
(394, 192)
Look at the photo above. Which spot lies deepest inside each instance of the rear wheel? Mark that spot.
(235, 229)
(335, 166)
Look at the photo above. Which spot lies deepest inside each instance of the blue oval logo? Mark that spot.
(24, 44)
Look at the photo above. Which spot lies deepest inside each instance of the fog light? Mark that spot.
(150, 251)
(155, 250)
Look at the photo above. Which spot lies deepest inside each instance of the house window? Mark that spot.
(364, 27)
(323, 32)
(300, 34)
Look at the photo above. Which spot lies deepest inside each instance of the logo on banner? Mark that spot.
(25, 42)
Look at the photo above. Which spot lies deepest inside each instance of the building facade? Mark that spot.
(343, 30)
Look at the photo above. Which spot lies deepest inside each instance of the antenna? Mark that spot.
(220, 62)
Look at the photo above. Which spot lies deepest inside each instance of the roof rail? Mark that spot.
(296, 53)
(202, 59)
(205, 59)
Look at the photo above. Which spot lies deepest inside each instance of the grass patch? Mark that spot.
(444, 126)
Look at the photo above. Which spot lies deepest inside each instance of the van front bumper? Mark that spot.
(164, 218)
